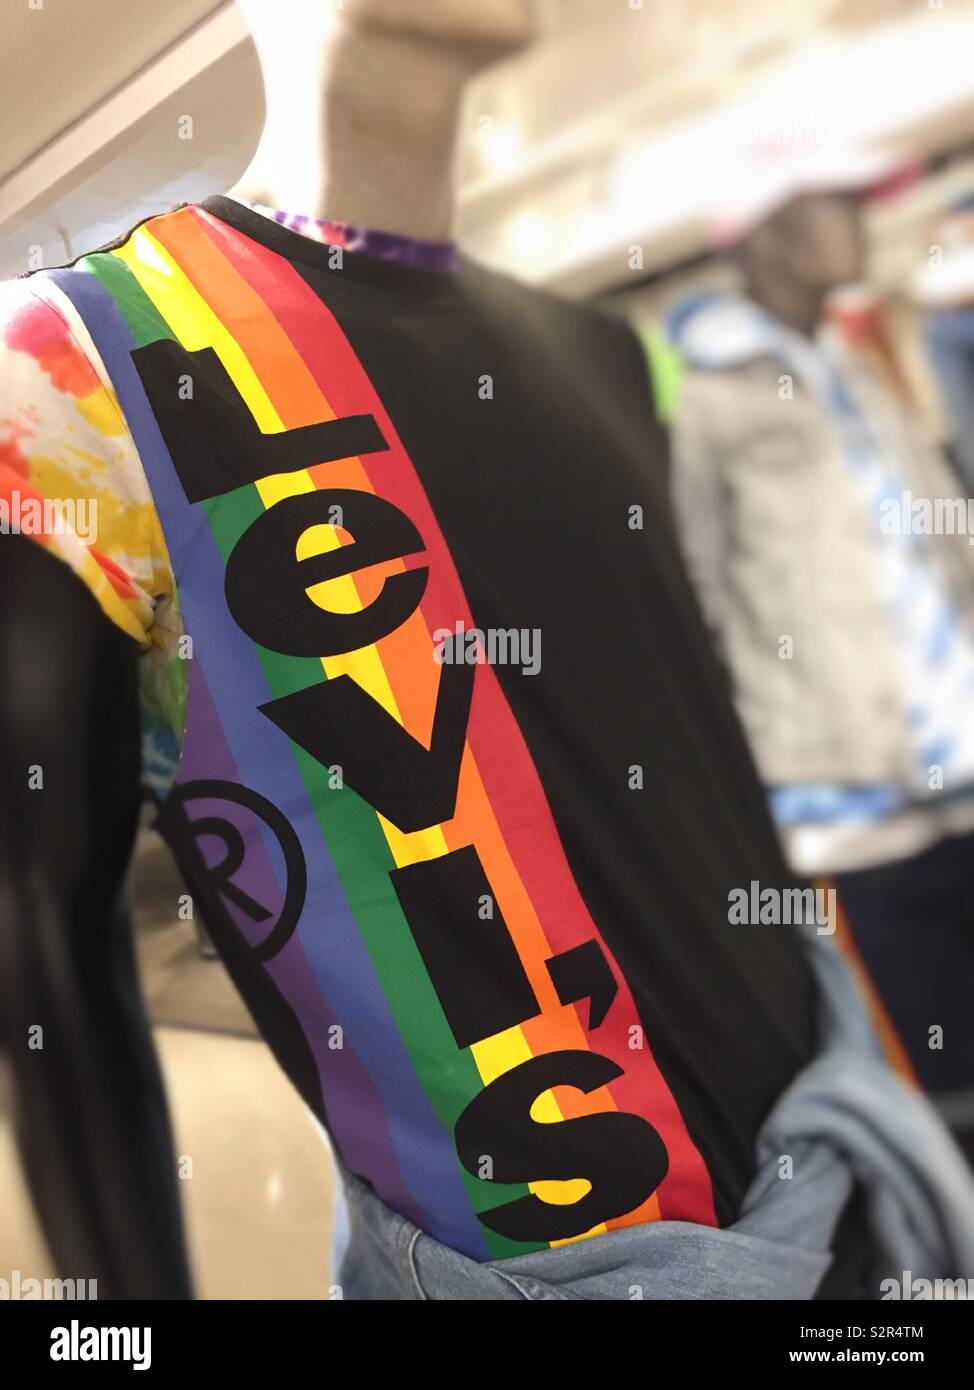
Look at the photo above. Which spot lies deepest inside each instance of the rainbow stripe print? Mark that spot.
(436, 987)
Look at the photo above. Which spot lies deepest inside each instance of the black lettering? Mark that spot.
(621, 1155)
(472, 962)
(212, 889)
(214, 883)
(212, 437)
(336, 721)
(266, 585)
(584, 973)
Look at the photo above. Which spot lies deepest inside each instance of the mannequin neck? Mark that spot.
(798, 306)
(361, 130)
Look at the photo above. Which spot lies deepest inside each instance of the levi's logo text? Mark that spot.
(366, 819)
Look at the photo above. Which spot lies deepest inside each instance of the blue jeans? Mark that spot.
(388, 1258)
(845, 1118)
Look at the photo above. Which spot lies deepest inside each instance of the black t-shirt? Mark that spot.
(461, 788)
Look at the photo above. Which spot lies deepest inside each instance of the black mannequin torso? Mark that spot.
(91, 1113)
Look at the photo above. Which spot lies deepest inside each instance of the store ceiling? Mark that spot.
(61, 60)
(94, 94)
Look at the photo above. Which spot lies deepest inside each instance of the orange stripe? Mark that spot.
(649, 1211)
(896, 1053)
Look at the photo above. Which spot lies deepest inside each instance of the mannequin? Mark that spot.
(809, 435)
(90, 1113)
(794, 259)
(90, 1110)
(483, 973)
(363, 102)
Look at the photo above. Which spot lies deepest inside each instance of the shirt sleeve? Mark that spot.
(70, 474)
(72, 480)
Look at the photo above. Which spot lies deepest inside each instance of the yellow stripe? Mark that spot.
(193, 321)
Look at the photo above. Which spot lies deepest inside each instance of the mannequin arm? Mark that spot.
(90, 1108)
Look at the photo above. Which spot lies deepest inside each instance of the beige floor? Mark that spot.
(258, 1206)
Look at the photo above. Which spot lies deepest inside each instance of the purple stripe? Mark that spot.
(344, 1080)
(387, 246)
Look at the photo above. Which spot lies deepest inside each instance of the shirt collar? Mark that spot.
(388, 246)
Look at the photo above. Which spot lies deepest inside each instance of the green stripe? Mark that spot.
(144, 321)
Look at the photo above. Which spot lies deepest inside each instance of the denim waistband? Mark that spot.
(844, 1118)
(762, 1257)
